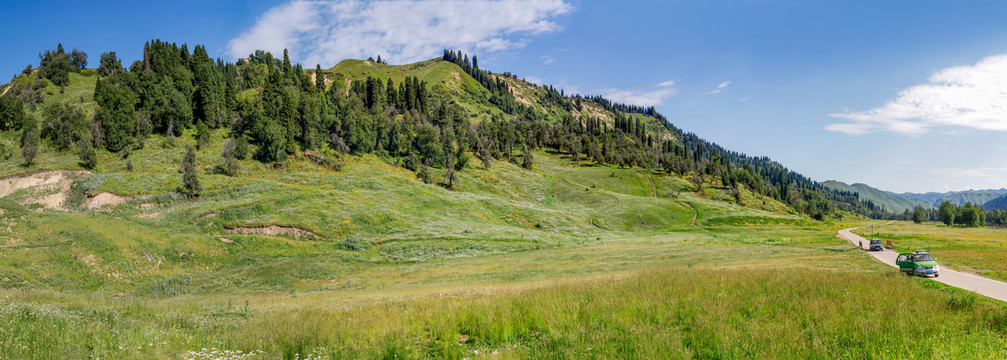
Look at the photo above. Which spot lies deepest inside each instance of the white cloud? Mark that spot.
(401, 31)
(642, 98)
(547, 59)
(971, 96)
(746, 98)
(719, 88)
(534, 80)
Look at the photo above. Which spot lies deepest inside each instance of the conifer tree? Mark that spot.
(29, 140)
(190, 179)
(319, 79)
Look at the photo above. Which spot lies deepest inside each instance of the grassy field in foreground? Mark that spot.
(976, 250)
(697, 313)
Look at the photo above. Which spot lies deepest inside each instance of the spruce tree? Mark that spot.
(319, 79)
(29, 140)
(190, 179)
(202, 135)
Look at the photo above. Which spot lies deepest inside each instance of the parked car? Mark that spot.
(876, 245)
(918, 263)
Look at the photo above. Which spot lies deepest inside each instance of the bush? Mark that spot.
(240, 145)
(88, 157)
(64, 125)
(351, 243)
(11, 113)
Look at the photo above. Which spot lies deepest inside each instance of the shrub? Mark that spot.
(351, 243)
(88, 157)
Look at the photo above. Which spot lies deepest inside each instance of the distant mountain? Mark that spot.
(980, 197)
(997, 203)
(891, 201)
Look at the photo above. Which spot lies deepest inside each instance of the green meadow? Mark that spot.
(568, 260)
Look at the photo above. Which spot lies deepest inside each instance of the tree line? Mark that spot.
(292, 110)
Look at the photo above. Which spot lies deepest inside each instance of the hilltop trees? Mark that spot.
(109, 64)
(55, 65)
(274, 109)
(78, 59)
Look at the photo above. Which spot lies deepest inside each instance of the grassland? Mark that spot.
(570, 260)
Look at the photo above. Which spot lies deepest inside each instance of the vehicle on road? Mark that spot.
(919, 263)
(876, 245)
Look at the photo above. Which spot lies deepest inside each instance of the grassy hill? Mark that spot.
(330, 256)
(890, 201)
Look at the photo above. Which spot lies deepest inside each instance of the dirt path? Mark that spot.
(977, 284)
(695, 214)
(654, 187)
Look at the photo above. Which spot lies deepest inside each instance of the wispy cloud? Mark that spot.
(400, 30)
(534, 80)
(719, 88)
(746, 98)
(971, 96)
(641, 97)
(547, 59)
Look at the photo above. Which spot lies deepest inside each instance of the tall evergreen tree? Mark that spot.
(191, 186)
(29, 140)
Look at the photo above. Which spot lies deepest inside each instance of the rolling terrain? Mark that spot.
(330, 255)
(890, 201)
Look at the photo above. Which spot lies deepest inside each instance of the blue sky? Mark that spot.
(901, 95)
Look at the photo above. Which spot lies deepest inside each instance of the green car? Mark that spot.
(918, 263)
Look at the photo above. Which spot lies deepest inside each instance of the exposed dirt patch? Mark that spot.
(455, 82)
(52, 187)
(207, 216)
(104, 199)
(518, 89)
(271, 230)
(152, 215)
(6, 88)
(226, 240)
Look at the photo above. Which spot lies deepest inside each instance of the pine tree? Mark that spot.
(29, 140)
(202, 135)
(190, 179)
(319, 79)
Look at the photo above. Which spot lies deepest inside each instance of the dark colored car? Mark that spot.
(876, 245)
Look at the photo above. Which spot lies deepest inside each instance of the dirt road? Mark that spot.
(979, 285)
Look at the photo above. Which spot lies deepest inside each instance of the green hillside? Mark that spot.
(890, 201)
(482, 217)
(443, 78)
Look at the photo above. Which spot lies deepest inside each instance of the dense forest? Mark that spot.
(285, 110)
